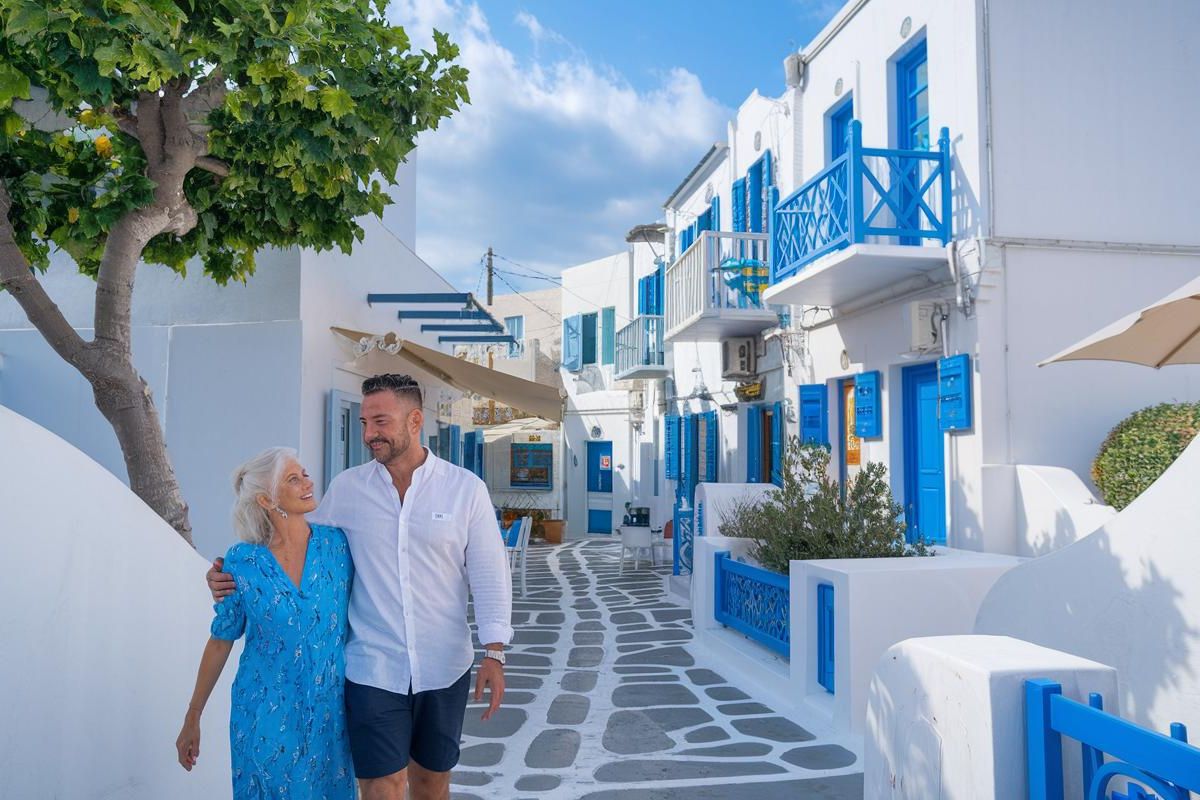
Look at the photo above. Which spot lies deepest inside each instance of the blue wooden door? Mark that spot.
(924, 463)
(599, 487)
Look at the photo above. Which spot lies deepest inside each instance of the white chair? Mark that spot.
(637, 539)
(519, 549)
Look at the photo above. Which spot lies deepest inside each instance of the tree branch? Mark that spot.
(149, 127)
(214, 165)
(18, 279)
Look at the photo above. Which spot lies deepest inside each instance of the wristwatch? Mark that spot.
(496, 655)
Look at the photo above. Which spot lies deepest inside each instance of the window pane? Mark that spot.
(589, 338)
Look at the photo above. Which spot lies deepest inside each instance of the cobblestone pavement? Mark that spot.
(605, 700)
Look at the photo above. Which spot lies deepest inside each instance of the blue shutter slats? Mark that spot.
(715, 215)
(825, 652)
(954, 393)
(687, 460)
(754, 444)
(777, 444)
(671, 446)
(711, 447)
(814, 414)
(738, 201)
(868, 421)
(572, 343)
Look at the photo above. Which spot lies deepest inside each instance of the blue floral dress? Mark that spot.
(287, 724)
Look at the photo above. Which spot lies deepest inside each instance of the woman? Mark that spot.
(287, 725)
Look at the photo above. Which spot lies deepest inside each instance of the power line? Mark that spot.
(527, 299)
(591, 302)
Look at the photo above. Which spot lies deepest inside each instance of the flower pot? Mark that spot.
(553, 528)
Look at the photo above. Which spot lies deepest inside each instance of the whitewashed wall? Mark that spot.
(1104, 151)
(1128, 596)
(104, 614)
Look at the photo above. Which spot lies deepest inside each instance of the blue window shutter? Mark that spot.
(455, 444)
(768, 173)
(687, 458)
(825, 652)
(711, 442)
(671, 446)
(738, 201)
(954, 393)
(754, 444)
(608, 335)
(656, 292)
(481, 469)
(469, 450)
(715, 211)
(643, 295)
(814, 414)
(777, 444)
(868, 421)
(572, 349)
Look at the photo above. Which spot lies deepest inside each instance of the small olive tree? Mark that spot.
(810, 517)
(175, 130)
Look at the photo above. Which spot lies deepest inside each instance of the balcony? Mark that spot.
(714, 290)
(640, 349)
(862, 224)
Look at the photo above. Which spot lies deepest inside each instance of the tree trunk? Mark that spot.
(163, 127)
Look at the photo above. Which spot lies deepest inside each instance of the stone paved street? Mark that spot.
(606, 700)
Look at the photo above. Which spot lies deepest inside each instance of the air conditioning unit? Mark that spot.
(924, 326)
(739, 358)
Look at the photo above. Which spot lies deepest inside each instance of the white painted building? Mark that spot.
(1057, 222)
(239, 368)
(612, 361)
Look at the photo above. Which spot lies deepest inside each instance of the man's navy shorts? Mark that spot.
(388, 729)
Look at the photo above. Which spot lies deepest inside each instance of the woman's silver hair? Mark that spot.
(260, 475)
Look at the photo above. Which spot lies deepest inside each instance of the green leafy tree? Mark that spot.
(810, 517)
(158, 131)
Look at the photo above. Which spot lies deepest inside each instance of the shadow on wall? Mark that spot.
(103, 615)
(1127, 595)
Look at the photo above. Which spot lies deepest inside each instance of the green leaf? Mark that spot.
(14, 85)
(336, 101)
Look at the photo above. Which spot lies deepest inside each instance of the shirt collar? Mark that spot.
(432, 463)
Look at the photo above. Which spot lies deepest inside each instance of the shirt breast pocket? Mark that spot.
(441, 532)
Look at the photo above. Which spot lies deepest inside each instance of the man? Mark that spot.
(422, 531)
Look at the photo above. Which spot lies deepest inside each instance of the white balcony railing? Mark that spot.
(640, 348)
(719, 280)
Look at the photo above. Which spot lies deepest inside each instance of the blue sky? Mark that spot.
(584, 117)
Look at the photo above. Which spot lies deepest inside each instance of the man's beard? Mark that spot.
(390, 450)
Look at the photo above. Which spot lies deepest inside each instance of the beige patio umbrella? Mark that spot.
(1166, 332)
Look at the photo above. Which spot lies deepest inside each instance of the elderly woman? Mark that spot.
(287, 725)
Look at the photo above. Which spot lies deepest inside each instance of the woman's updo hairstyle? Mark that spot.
(258, 476)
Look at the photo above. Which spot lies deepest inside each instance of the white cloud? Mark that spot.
(556, 157)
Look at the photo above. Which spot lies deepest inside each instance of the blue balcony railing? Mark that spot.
(866, 194)
(640, 345)
(1131, 762)
(754, 601)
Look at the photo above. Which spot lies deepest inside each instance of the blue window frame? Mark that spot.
(515, 327)
(839, 128)
(778, 435)
(588, 346)
(912, 100)
(531, 465)
(753, 444)
(671, 447)
(344, 446)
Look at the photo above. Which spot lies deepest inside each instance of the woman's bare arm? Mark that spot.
(212, 663)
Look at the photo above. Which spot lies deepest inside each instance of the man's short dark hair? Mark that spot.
(403, 386)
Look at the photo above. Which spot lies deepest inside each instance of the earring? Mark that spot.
(282, 513)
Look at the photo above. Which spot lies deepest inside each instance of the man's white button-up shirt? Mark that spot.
(413, 566)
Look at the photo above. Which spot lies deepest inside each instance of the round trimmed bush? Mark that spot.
(1141, 448)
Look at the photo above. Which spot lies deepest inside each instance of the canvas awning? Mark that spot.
(375, 354)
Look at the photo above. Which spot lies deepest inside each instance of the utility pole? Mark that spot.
(490, 272)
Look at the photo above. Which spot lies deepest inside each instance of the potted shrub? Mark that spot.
(811, 517)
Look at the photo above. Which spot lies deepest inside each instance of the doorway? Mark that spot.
(924, 459)
(599, 487)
